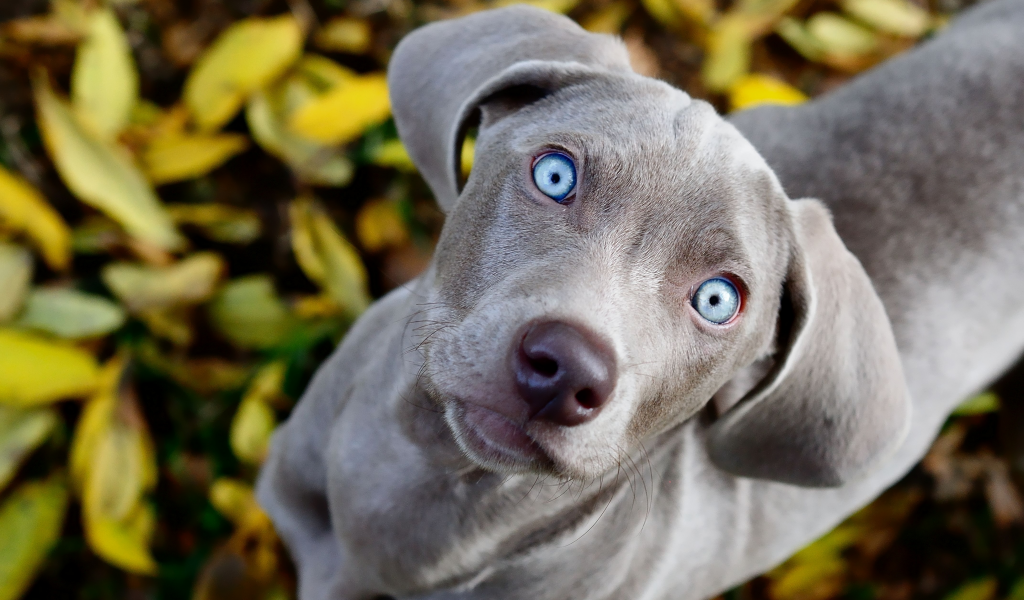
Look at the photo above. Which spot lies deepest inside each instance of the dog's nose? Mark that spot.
(563, 374)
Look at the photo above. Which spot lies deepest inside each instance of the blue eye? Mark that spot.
(717, 300)
(555, 176)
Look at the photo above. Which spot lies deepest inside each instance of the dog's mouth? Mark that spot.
(493, 440)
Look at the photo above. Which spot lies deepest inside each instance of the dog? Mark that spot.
(657, 351)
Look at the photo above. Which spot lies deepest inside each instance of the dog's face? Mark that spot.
(617, 255)
(529, 288)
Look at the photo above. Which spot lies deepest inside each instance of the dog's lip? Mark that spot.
(493, 434)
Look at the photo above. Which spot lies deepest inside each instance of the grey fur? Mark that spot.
(376, 482)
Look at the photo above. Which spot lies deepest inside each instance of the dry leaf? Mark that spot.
(608, 19)
(71, 314)
(104, 82)
(181, 157)
(1004, 500)
(246, 57)
(30, 523)
(255, 421)
(21, 432)
(35, 370)
(23, 208)
(15, 277)
(189, 281)
(101, 174)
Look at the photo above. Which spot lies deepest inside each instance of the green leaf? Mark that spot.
(15, 277)
(898, 17)
(249, 312)
(841, 36)
(982, 403)
(21, 432)
(71, 314)
(30, 524)
(983, 589)
(189, 281)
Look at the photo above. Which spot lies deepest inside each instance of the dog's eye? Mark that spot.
(717, 300)
(555, 176)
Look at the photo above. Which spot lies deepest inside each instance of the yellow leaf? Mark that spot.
(219, 222)
(327, 257)
(796, 35)
(312, 163)
(393, 154)
(246, 57)
(810, 581)
(344, 34)
(701, 12)
(249, 312)
(982, 403)
(34, 370)
(30, 523)
(21, 432)
(101, 174)
(189, 281)
(232, 498)
(345, 112)
(663, 11)
(15, 277)
(841, 36)
(177, 158)
(124, 543)
(255, 421)
(728, 52)
(983, 589)
(555, 6)
(71, 314)
(93, 422)
(380, 225)
(104, 83)
(898, 17)
(756, 89)
(23, 208)
(608, 19)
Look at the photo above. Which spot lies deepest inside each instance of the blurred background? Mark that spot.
(197, 197)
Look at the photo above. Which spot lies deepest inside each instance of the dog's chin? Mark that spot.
(494, 442)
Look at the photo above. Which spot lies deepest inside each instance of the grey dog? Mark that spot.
(642, 363)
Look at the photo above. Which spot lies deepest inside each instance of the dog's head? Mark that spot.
(618, 254)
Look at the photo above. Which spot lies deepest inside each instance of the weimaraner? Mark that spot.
(640, 366)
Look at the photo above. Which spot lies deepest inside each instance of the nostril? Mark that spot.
(544, 366)
(587, 398)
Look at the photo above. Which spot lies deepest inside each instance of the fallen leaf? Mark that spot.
(897, 17)
(840, 36)
(30, 523)
(35, 370)
(246, 57)
(21, 432)
(379, 224)
(757, 89)
(392, 153)
(728, 52)
(41, 30)
(344, 34)
(796, 35)
(983, 589)
(182, 157)
(71, 314)
(190, 281)
(15, 277)
(104, 82)
(113, 464)
(1017, 591)
(255, 421)
(1004, 500)
(248, 312)
(344, 113)
(986, 402)
(219, 222)
(205, 375)
(608, 19)
(101, 174)
(23, 208)
(663, 11)
(327, 257)
(245, 566)
(233, 498)
(556, 6)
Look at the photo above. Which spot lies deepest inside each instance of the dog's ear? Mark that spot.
(441, 73)
(835, 402)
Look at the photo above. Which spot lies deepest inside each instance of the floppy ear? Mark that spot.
(441, 73)
(835, 402)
